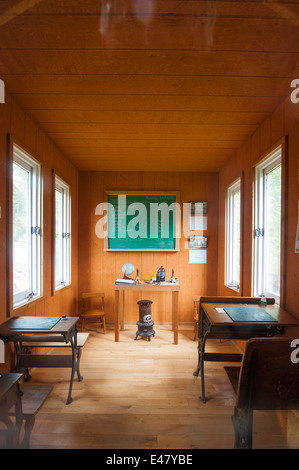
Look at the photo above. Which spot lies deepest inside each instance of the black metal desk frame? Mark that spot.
(65, 332)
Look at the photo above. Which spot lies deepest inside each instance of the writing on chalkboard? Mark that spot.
(141, 221)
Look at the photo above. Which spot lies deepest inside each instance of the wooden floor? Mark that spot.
(142, 395)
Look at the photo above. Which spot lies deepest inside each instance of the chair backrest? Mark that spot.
(93, 295)
(87, 295)
(196, 300)
(268, 378)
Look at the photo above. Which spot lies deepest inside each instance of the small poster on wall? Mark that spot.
(198, 207)
(199, 222)
(198, 241)
(197, 256)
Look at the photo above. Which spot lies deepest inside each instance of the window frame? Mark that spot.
(61, 185)
(18, 154)
(231, 189)
(273, 157)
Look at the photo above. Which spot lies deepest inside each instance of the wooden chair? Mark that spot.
(196, 300)
(266, 380)
(95, 313)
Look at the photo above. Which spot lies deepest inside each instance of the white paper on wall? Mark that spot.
(199, 222)
(197, 256)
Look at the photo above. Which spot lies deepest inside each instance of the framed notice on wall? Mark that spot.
(143, 221)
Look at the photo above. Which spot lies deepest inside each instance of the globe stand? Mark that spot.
(127, 268)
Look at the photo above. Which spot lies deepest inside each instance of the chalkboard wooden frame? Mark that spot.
(160, 195)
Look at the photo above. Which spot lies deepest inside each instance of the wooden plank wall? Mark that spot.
(98, 269)
(283, 122)
(13, 120)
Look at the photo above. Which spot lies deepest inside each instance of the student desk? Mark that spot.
(144, 287)
(32, 330)
(215, 323)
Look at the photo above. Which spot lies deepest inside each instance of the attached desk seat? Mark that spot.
(22, 402)
(33, 398)
(10, 396)
(266, 380)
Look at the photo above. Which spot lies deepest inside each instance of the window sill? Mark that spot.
(24, 306)
(62, 288)
(235, 289)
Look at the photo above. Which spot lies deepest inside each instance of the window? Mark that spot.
(268, 226)
(62, 234)
(26, 232)
(233, 234)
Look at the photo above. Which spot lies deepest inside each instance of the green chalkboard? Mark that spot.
(142, 221)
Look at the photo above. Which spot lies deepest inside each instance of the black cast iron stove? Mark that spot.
(145, 323)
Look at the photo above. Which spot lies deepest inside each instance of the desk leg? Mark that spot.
(175, 316)
(13, 430)
(200, 367)
(201, 357)
(205, 329)
(122, 310)
(116, 317)
(76, 354)
(19, 412)
(19, 351)
(11, 438)
(29, 424)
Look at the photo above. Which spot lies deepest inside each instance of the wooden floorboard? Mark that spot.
(143, 395)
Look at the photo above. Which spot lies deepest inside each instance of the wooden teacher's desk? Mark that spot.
(215, 323)
(144, 287)
(27, 332)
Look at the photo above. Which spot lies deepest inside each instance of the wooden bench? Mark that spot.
(33, 398)
(81, 340)
(266, 380)
(39, 343)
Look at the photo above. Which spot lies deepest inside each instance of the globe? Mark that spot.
(127, 269)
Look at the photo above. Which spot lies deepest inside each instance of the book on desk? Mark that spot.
(124, 281)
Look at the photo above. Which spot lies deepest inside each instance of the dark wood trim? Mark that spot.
(284, 223)
(9, 281)
(53, 232)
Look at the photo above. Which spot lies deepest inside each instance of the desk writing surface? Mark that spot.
(218, 316)
(61, 327)
(34, 323)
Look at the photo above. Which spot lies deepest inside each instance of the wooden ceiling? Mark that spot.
(153, 85)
